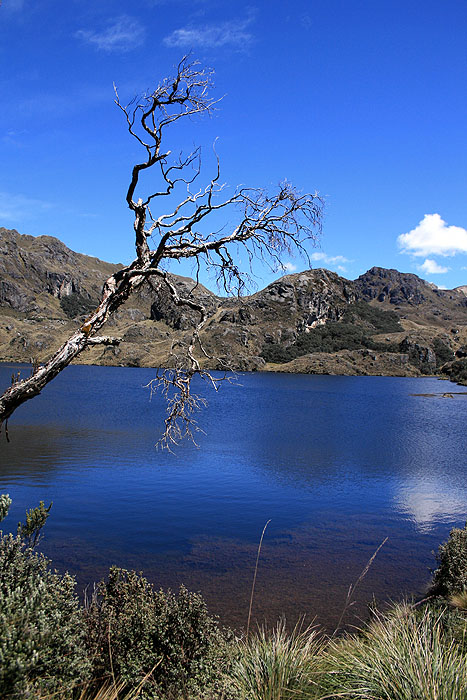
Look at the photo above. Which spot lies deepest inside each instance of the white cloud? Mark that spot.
(336, 261)
(432, 236)
(289, 267)
(15, 208)
(121, 34)
(232, 33)
(431, 267)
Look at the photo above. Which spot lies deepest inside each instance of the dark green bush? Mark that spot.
(134, 631)
(379, 320)
(41, 630)
(332, 337)
(76, 305)
(443, 351)
(457, 371)
(451, 575)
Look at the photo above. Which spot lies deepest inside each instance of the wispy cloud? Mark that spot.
(15, 208)
(12, 5)
(120, 35)
(433, 236)
(336, 261)
(431, 267)
(40, 104)
(14, 137)
(232, 33)
(289, 267)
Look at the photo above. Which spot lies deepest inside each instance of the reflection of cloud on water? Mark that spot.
(430, 502)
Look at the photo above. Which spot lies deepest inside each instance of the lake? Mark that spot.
(337, 464)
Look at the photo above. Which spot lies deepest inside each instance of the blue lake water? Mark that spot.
(337, 464)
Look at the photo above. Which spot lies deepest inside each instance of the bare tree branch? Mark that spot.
(267, 226)
(104, 340)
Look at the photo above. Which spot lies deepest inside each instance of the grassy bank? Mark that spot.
(131, 641)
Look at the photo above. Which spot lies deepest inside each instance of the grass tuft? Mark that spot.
(402, 655)
(277, 665)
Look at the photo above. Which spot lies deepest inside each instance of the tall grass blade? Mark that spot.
(254, 579)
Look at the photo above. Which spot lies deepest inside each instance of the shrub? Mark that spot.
(136, 632)
(76, 305)
(442, 351)
(332, 337)
(451, 575)
(457, 371)
(41, 638)
(403, 655)
(380, 321)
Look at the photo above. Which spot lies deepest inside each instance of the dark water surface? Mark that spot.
(337, 463)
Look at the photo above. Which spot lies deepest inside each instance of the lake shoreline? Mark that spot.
(268, 368)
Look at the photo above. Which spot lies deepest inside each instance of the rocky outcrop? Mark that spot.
(312, 297)
(181, 318)
(412, 297)
(390, 285)
(419, 354)
(35, 273)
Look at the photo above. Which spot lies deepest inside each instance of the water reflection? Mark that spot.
(428, 502)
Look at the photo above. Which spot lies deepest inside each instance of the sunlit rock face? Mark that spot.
(311, 298)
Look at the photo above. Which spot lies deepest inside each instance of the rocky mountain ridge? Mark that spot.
(385, 322)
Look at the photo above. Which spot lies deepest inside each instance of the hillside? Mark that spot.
(385, 322)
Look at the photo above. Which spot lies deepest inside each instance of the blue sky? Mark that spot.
(363, 100)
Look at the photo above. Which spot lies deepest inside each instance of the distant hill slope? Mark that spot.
(385, 322)
(36, 273)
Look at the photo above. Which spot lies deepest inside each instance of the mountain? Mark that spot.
(385, 322)
(36, 273)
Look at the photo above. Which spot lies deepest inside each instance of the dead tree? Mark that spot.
(267, 226)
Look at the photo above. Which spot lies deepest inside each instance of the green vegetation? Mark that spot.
(352, 332)
(35, 521)
(132, 641)
(41, 628)
(159, 644)
(443, 351)
(457, 371)
(405, 654)
(276, 665)
(451, 575)
(77, 305)
(138, 633)
(378, 320)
